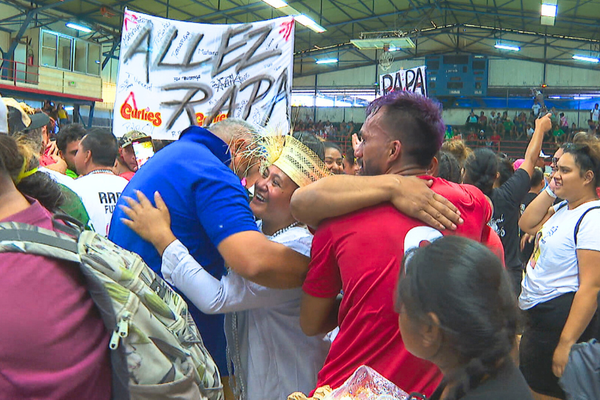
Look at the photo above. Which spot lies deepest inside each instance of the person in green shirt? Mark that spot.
(509, 127)
(67, 142)
(557, 133)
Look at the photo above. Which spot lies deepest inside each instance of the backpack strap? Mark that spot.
(18, 237)
(562, 204)
(579, 223)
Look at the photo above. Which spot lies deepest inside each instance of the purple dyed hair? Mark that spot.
(427, 112)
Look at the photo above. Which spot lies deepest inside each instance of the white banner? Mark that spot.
(174, 74)
(412, 80)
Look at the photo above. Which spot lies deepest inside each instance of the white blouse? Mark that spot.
(271, 354)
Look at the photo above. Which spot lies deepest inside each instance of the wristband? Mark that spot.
(550, 192)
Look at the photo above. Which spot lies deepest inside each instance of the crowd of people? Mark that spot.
(499, 126)
(300, 262)
(338, 132)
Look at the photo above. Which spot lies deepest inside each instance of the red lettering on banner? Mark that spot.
(200, 118)
(129, 111)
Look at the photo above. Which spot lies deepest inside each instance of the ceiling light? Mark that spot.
(276, 3)
(586, 58)
(309, 23)
(581, 97)
(549, 10)
(78, 27)
(509, 47)
(327, 61)
(69, 108)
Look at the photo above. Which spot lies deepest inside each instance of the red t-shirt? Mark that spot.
(360, 254)
(53, 344)
(127, 175)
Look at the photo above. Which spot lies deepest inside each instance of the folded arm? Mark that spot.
(537, 213)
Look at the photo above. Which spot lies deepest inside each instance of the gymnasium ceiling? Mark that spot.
(436, 27)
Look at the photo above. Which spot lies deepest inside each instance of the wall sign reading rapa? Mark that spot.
(412, 80)
(174, 74)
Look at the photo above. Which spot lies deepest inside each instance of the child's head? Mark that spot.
(457, 309)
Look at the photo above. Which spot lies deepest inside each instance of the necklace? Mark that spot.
(287, 228)
(100, 171)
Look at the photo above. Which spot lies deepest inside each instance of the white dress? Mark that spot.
(271, 354)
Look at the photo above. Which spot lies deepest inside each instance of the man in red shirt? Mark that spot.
(359, 254)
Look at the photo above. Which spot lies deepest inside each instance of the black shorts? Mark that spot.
(544, 326)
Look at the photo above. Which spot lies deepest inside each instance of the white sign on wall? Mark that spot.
(412, 80)
(174, 74)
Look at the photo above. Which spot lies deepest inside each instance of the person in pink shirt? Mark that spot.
(53, 343)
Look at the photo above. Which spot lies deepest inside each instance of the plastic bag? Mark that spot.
(367, 384)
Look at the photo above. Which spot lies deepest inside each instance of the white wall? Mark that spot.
(516, 73)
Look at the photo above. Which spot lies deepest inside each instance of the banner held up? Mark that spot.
(412, 80)
(174, 74)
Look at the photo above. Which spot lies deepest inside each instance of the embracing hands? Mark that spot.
(424, 204)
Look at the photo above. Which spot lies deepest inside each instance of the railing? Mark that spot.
(18, 72)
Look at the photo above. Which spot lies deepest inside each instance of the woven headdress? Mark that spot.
(295, 159)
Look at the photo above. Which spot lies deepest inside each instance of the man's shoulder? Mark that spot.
(455, 192)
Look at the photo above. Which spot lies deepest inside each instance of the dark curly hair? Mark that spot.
(68, 134)
(465, 285)
(481, 169)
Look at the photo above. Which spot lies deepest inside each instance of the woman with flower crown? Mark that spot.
(271, 355)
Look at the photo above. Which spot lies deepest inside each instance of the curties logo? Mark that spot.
(130, 111)
(201, 118)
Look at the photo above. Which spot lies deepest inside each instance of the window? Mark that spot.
(93, 59)
(87, 57)
(49, 49)
(63, 60)
(80, 62)
(72, 54)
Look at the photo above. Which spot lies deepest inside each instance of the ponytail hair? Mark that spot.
(464, 284)
(481, 169)
(21, 163)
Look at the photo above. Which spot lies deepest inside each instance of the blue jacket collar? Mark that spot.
(216, 146)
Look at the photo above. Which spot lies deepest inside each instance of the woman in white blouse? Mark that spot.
(559, 292)
(271, 356)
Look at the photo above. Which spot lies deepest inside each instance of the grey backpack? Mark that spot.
(156, 349)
